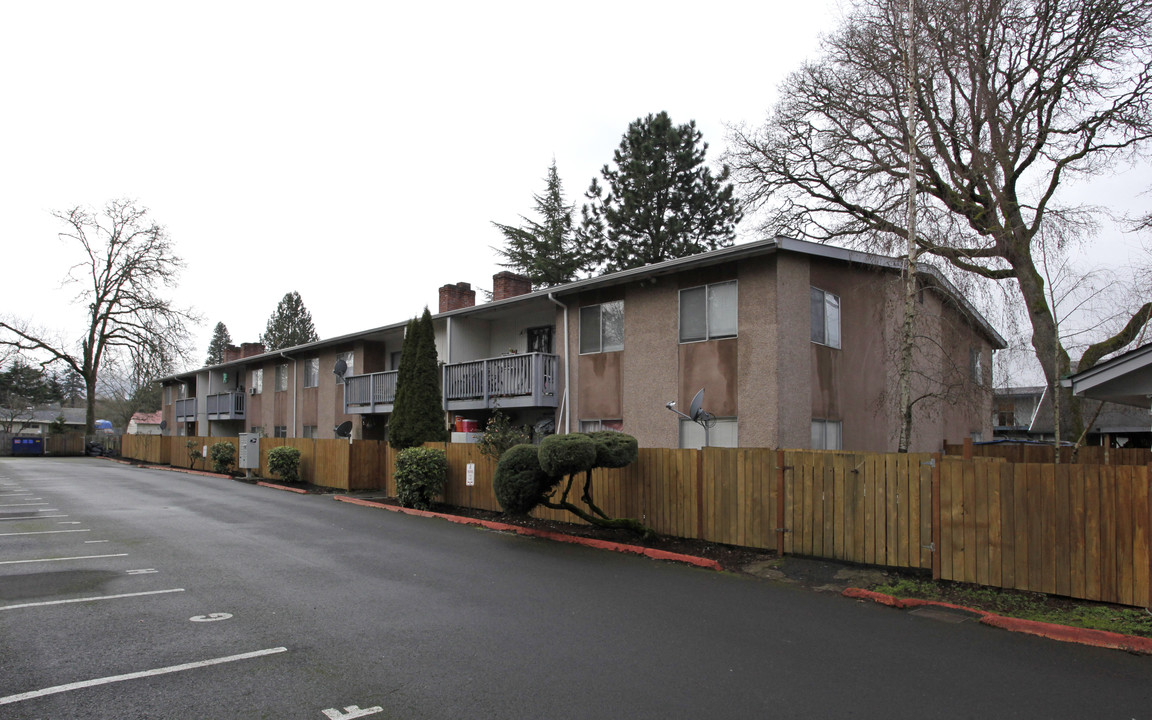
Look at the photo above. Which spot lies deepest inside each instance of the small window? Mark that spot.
(257, 430)
(311, 372)
(258, 381)
(708, 312)
(826, 435)
(310, 432)
(280, 431)
(825, 318)
(167, 394)
(597, 425)
(349, 362)
(282, 377)
(976, 358)
(182, 391)
(602, 327)
(721, 433)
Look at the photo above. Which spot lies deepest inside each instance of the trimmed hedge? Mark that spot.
(285, 462)
(519, 481)
(562, 455)
(420, 476)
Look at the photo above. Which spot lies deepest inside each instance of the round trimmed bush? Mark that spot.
(284, 461)
(420, 476)
(223, 454)
(519, 481)
(562, 455)
(614, 449)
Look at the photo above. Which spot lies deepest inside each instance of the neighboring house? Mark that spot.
(145, 423)
(1013, 410)
(1124, 385)
(794, 343)
(37, 421)
(1025, 414)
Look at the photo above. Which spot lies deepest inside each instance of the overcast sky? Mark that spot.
(355, 152)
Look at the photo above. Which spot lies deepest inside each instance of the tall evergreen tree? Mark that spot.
(545, 252)
(660, 201)
(289, 325)
(220, 340)
(418, 412)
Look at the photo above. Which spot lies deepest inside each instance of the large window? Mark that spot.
(602, 327)
(282, 377)
(349, 363)
(825, 318)
(708, 312)
(826, 435)
(311, 372)
(721, 434)
(258, 381)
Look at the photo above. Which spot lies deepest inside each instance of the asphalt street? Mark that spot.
(136, 593)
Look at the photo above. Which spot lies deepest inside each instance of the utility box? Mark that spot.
(249, 451)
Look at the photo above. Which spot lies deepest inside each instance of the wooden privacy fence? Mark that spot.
(1035, 453)
(1080, 530)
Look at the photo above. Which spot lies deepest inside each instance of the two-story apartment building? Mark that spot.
(795, 345)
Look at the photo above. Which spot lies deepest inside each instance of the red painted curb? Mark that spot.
(547, 535)
(1062, 633)
(281, 487)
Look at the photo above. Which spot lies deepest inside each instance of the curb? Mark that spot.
(1061, 633)
(274, 486)
(545, 534)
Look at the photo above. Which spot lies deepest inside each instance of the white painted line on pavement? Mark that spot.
(78, 557)
(37, 517)
(65, 522)
(86, 542)
(21, 504)
(137, 675)
(49, 532)
(89, 599)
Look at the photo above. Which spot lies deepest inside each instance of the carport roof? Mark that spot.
(1125, 379)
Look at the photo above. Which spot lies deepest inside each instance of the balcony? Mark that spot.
(185, 410)
(509, 381)
(226, 406)
(370, 394)
(527, 380)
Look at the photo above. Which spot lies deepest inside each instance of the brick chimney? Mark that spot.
(454, 297)
(508, 284)
(250, 349)
(231, 353)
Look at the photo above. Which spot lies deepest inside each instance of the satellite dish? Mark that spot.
(163, 424)
(697, 405)
(344, 429)
(340, 369)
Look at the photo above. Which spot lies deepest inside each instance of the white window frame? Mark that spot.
(830, 316)
(691, 434)
(822, 440)
(257, 381)
(601, 424)
(709, 333)
(312, 372)
(600, 346)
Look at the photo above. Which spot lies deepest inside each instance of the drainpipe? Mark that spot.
(293, 391)
(565, 406)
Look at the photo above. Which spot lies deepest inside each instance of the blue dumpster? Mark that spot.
(27, 446)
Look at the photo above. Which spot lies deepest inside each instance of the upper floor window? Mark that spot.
(708, 312)
(167, 394)
(976, 360)
(349, 363)
(258, 381)
(281, 377)
(825, 318)
(311, 372)
(602, 327)
(181, 391)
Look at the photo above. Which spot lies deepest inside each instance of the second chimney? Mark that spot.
(454, 297)
(508, 284)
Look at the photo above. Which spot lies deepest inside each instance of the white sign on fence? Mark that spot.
(471, 474)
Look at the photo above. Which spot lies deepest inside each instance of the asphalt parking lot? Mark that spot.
(133, 593)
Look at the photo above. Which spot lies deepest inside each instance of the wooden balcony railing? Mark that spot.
(227, 406)
(185, 410)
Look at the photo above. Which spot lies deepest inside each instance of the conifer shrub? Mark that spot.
(614, 449)
(223, 455)
(562, 455)
(420, 476)
(519, 482)
(284, 462)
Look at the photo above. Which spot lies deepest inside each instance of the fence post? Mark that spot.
(936, 510)
(699, 494)
(968, 448)
(780, 503)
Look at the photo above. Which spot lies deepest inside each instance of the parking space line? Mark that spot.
(89, 599)
(47, 532)
(32, 517)
(22, 504)
(78, 557)
(137, 675)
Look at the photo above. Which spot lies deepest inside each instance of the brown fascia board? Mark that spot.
(668, 267)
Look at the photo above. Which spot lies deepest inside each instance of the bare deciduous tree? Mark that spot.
(128, 260)
(1013, 98)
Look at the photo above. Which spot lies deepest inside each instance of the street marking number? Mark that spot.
(210, 617)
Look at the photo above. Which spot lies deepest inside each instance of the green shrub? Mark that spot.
(194, 453)
(285, 462)
(500, 435)
(614, 449)
(519, 482)
(223, 454)
(420, 476)
(562, 455)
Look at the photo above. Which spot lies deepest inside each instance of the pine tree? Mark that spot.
(662, 202)
(418, 412)
(220, 340)
(545, 252)
(289, 325)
